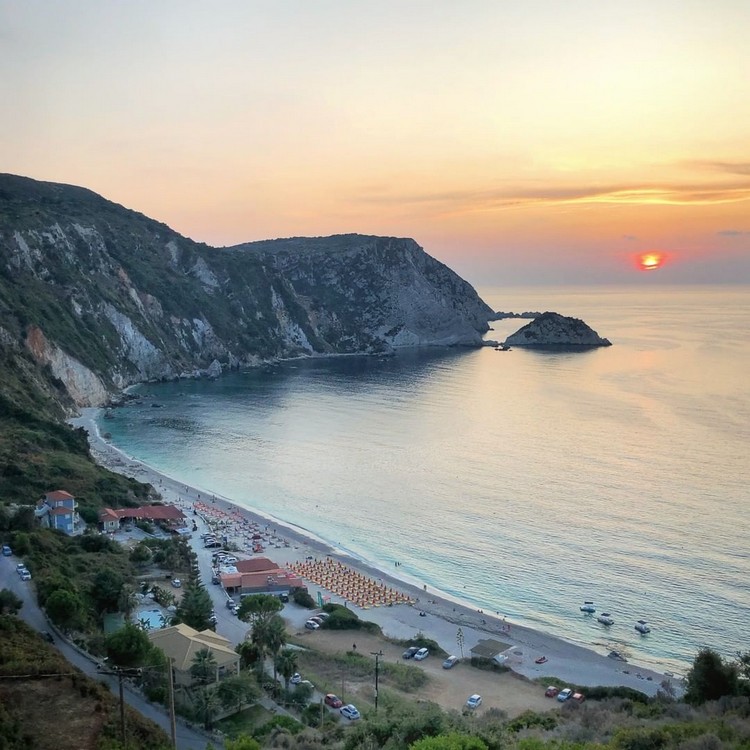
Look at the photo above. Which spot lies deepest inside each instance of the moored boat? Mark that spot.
(642, 627)
(588, 608)
(605, 619)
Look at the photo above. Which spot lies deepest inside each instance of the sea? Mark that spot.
(522, 483)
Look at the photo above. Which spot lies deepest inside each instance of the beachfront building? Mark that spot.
(488, 648)
(181, 643)
(58, 510)
(168, 517)
(258, 576)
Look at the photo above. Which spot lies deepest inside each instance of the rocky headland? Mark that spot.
(551, 330)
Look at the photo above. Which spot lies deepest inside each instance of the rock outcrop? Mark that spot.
(551, 330)
(105, 297)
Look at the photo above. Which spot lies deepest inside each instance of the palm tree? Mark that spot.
(203, 668)
(286, 664)
(207, 704)
(276, 638)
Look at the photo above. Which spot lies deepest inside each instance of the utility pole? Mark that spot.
(377, 655)
(121, 672)
(170, 688)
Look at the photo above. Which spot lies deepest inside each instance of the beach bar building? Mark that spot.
(169, 517)
(259, 575)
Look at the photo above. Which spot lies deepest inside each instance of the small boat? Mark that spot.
(616, 655)
(502, 348)
(541, 660)
(588, 608)
(642, 627)
(605, 619)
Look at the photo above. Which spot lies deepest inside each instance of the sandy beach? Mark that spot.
(435, 616)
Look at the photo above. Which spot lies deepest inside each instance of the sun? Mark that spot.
(651, 261)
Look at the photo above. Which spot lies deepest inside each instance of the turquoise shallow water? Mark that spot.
(519, 482)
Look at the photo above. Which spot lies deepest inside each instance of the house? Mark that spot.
(109, 520)
(181, 643)
(488, 648)
(58, 510)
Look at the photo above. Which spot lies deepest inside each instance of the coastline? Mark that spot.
(435, 614)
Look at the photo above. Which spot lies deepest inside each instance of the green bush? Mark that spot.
(490, 665)
(301, 597)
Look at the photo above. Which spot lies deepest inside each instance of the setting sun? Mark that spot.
(651, 261)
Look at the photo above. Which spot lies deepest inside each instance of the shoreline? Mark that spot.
(434, 613)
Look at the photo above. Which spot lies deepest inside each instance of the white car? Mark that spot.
(423, 653)
(349, 711)
(177, 583)
(25, 576)
(296, 678)
(312, 625)
(474, 701)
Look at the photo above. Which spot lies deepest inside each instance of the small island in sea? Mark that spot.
(554, 331)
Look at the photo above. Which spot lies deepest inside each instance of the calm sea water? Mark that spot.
(521, 482)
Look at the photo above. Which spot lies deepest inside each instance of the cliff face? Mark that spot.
(553, 330)
(105, 297)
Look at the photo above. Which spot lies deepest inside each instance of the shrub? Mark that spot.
(301, 597)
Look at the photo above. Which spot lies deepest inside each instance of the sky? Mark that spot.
(523, 142)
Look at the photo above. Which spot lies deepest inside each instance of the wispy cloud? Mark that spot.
(511, 197)
(726, 167)
(733, 233)
(629, 237)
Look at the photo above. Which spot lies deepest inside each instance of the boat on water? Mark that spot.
(642, 627)
(588, 608)
(502, 348)
(605, 619)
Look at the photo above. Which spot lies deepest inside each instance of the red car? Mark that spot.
(552, 691)
(333, 701)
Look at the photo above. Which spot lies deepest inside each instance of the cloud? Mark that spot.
(629, 237)
(733, 233)
(515, 197)
(727, 167)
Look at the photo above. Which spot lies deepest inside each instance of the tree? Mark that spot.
(127, 601)
(21, 543)
(128, 647)
(286, 665)
(238, 690)
(451, 741)
(195, 608)
(64, 608)
(250, 654)
(141, 554)
(10, 604)
(259, 607)
(243, 742)
(203, 668)
(460, 640)
(269, 635)
(710, 678)
(207, 704)
(106, 589)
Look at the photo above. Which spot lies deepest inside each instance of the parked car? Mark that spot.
(312, 625)
(296, 678)
(423, 653)
(563, 695)
(474, 701)
(578, 697)
(450, 662)
(26, 576)
(552, 691)
(231, 604)
(7, 551)
(216, 580)
(211, 544)
(349, 712)
(176, 583)
(409, 653)
(284, 598)
(317, 619)
(322, 616)
(333, 701)
(21, 569)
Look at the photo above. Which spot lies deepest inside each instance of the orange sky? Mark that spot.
(518, 142)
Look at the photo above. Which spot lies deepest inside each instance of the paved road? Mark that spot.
(187, 739)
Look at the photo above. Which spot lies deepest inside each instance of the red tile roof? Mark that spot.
(59, 495)
(152, 513)
(256, 565)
